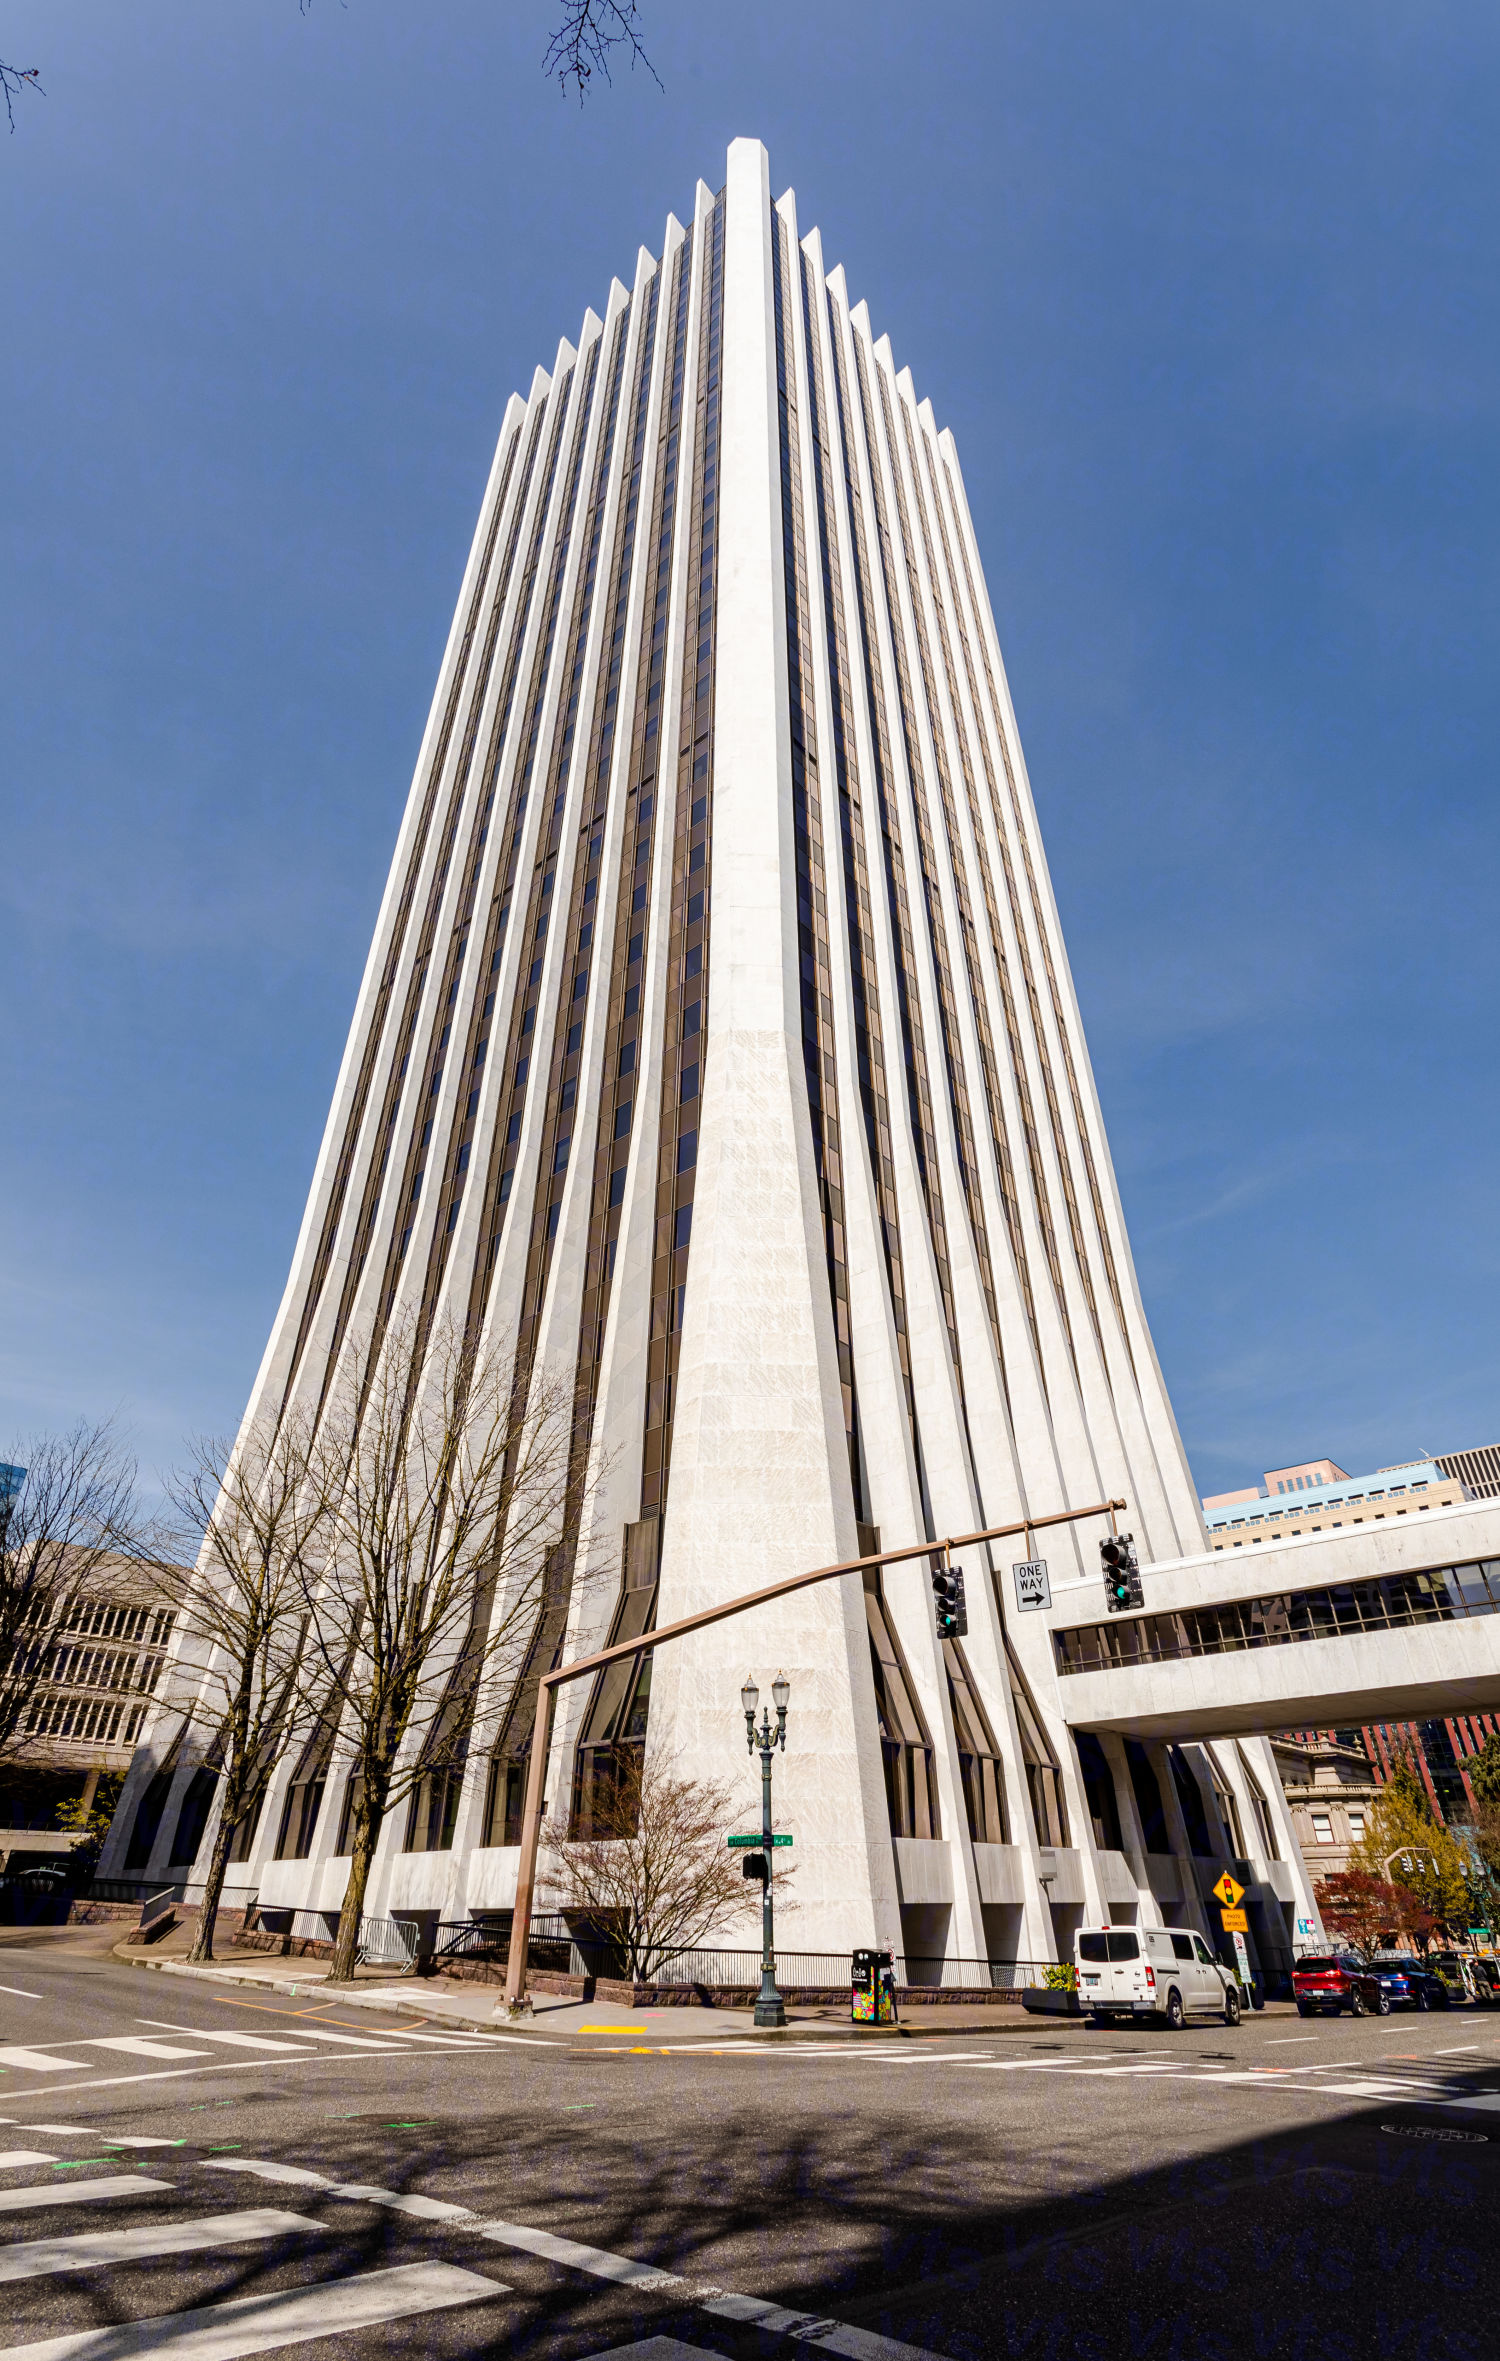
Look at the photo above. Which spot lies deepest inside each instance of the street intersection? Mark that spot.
(207, 2170)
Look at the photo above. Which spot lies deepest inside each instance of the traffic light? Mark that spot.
(948, 1599)
(1122, 1573)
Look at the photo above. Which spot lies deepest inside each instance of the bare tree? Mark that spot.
(15, 79)
(73, 1509)
(450, 1504)
(254, 1520)
(654, 1873)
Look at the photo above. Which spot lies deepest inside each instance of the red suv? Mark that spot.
(1334, 1981)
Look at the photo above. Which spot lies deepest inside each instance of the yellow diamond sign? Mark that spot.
(1228, 1892)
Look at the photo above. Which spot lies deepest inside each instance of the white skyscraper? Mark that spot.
(717, 1042)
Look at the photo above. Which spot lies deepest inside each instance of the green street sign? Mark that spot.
(758, 1842)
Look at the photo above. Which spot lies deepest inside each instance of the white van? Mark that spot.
(1159, 1972)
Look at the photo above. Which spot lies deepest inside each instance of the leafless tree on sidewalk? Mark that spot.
(253, 1519)
(451, 1508)
(654, 1873)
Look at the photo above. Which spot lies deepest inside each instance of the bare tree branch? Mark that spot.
(15, 79)
(654, 1874)
(589, 32)
(450, 1502)
(254, 1523)
(73, 1511)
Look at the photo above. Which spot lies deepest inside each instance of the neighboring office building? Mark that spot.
(1330, 1777)
(718, 1024)
(1314, 1498)
(98, 1670)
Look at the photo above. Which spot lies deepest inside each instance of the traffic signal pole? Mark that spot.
(515, 1999)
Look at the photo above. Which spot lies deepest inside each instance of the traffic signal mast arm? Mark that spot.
(551, 1682)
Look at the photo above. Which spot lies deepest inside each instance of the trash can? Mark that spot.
(872, 1988)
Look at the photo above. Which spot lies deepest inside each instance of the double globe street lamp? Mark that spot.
(770, 2009)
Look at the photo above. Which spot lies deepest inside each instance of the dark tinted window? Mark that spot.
(1182, 1946)
(1124, 1947)
(1093, 1948)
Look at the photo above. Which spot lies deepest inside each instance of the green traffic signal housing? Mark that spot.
(948, 1601)
(1122, 1573)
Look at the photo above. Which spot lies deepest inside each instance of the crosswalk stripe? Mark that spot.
(38, 2258)
(296, 2049)
(13, 2158)
(37, 2061)
(350, 2040)
(258, 2323)
(135, 2045)
(594, 2259)
(451, 2040)
(77, 2192)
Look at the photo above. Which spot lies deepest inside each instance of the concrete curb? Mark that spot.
(300, 1988)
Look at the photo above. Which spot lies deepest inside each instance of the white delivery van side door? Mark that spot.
(1210, 1982)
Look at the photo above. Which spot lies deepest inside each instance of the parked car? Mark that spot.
(1328, 1982)
(1162, 1973)
(1410, 1982)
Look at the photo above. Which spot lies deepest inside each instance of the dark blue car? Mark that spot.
(1410, 1983)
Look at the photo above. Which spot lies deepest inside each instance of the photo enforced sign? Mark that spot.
(1032, 1587)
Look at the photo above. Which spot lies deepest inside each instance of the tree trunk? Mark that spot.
(346, 1945)
(213, 1887)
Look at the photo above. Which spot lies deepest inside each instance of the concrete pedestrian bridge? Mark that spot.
(1387, 1620)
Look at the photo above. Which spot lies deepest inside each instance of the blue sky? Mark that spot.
(1207, 294)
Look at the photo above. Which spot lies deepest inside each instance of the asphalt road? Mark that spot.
(264, 2170)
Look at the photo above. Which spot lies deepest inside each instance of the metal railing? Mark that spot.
(554, 1947)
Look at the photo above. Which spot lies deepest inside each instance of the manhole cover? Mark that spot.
(1422, 2131)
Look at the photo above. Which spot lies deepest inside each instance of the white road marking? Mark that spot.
(1292, 2040)
(38, 2061)
(294, 2049)
(39, 2258)
(76, 2192)
(13, 2158)
(425, 2209)
(1460, 2049)
(857, 2344)
(390, 2049)
(293, 2174)
(260, 2323)
(454, 2040)
(17, 1994)
(351, 2040)
(135, 2045)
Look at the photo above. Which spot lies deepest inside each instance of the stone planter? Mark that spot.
(1040, 2002)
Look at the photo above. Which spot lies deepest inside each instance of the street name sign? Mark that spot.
(1032, 1586)
(757, 1842)
(1228, 1892)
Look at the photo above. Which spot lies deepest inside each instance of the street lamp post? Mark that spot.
(770, 2009)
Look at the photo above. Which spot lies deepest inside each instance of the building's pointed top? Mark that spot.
(540, 381)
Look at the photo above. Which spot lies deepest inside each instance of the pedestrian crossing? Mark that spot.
(265, 2323)
(274, 2238)
(198, 2049)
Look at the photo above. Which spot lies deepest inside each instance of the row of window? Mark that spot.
(1382, 1602)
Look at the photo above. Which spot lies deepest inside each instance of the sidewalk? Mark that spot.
(555, 2018)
